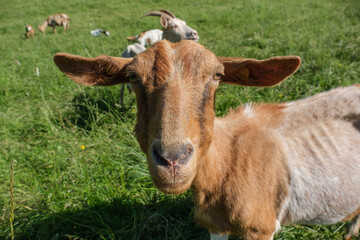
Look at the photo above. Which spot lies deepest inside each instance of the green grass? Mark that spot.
(79, 172)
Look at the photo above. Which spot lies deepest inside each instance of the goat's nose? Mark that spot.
(195, 33)
(172, 157)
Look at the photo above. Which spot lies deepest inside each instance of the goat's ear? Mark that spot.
(164, 22)
(261, 73)
(97, 71)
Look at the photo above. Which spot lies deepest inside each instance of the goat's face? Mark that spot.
(175, 102)
(41, 28)
(175, 86)
(176, 30)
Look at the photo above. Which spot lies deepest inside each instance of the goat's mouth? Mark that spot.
(173, 178)
(195, 39)
(172, 187)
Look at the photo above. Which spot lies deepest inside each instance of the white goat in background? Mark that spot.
(174, 30)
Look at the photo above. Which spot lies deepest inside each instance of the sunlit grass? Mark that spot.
(79, 172)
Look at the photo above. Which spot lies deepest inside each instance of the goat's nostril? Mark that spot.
(186, 154)
(172, 157)
(158, 157)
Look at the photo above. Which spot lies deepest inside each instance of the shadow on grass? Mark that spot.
(120, 219)
(89, 109)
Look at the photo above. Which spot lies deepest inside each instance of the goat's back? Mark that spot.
(321, 139)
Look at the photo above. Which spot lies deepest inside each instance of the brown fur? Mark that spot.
(134, 38)
(237, 166)
(224, 171)
(351, 216)
(29, 33)
(233, 187)
(60, 19)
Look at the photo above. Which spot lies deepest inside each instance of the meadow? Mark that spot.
(78, 170)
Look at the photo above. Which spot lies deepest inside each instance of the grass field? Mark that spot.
(79, 172)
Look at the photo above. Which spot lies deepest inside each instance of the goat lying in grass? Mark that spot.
(60, 19)
(147, 38)
(29, 31)
(174, 30)
(260, 166)
(98, 32)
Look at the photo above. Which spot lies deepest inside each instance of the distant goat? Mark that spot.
(174, 30)
(29, 31)
(147, 38)
(98, 32)
(260, 166)
(60, 19)
(130, 52)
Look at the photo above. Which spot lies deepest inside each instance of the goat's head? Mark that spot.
(174, 28)
(42, 27)
(175, 86)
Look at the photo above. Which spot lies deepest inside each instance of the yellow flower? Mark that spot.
(280, 95)
(82, 147)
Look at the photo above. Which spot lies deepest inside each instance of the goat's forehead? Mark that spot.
(186, 56)
(178, 21)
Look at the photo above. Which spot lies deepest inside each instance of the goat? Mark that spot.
(29, 31)
(130, 52)
(174, 30)
(98, 32)
(260, 166)
(60, 19)
(147, 38)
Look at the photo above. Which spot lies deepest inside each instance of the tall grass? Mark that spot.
(79, 171)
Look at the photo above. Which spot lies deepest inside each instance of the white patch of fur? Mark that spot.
(218, 237)
(29, 28)
(321, 140)
(318, 185)
(248, 111)
(281, 213)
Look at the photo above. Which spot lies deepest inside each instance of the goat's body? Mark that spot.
(256, 168)
(321, 139)
(60, 19)
(147, 38)
(309, 160)
(130, 51)
(29, 31)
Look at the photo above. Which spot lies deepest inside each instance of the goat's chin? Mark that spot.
(175, 188)
(193, 39)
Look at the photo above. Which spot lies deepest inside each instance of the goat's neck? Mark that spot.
(170, 36)
(236, 149)
(216, 162)
(44, 25)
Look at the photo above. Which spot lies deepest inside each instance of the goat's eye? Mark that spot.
(134, 78)
(217, 76)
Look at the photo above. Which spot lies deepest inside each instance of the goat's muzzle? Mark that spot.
(174, 158)
(194, 36)
(171, 166)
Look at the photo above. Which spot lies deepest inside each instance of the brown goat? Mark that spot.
(260, 166)
(60, 19)
(29, 31)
